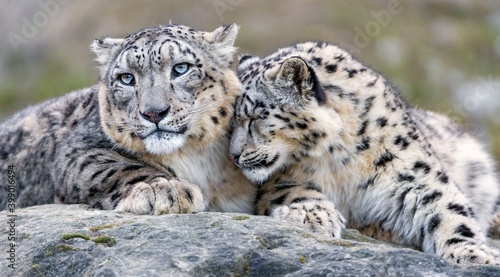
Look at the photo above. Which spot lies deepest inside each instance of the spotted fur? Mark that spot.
(315, 125)
(150, 138)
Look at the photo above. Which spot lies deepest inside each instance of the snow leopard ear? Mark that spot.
(296, 76)
(245, 62)
(222, 40)
(105, 48)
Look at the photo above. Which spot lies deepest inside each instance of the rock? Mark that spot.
(73, 240)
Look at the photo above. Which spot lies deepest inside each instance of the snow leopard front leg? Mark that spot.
(108, 180)
(438, 217)
(303, 203)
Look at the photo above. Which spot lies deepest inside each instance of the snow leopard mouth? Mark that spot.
(161, 142)
(163, 133)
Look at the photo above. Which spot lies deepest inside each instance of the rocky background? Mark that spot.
(72, 240)
(442, 54)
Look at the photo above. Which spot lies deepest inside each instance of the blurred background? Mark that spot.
(443, 55)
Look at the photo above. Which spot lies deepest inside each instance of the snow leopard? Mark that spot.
(151, 137)
(333, 145)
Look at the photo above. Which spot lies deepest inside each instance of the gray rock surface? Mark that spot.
(72, 240)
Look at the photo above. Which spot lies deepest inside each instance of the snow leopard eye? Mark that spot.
(127, 79)
(180, 69)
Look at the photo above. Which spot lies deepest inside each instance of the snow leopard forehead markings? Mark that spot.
(151, 47)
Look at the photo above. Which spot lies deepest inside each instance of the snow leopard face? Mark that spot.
(165, 87)
(278, 116)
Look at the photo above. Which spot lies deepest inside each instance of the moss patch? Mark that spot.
(101, 227)
(302, 259)
(66, 247)
(108, 241)
(240, 217)
(75, 235)
(49, 252)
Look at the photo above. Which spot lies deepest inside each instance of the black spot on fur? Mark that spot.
(412, 135)
(419, 165)
(351, 72)
(317, 60)
(132, 167)
(382, 122)
(364, 145)
(301, 125)
(137, 180)
(429, 198)
(384, 159)
(189, 195)
(110, 173)
(85, 164)
(93, 191)
(300, 199)
(97, 205)
(346, 160)
(215, 119)
(434, 223)
(454, 241)
(442, 177)
(405, 177)
(115, 196)
(464, 231)
(401, 141)
(279, 200)
(457, 208)
(331, 68)
(222, 112)
(115, 185)
(362, 129)
(97, 173)
(368, 105)
(285, 119)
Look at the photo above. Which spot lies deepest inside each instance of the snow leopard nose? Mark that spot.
(234, 158)
(155, 116)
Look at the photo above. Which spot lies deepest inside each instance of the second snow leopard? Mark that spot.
(314, 125)
(150, 138)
